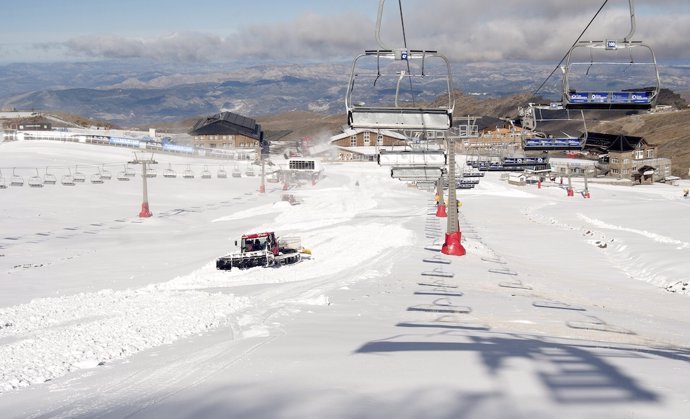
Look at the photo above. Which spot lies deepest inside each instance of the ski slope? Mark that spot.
(562, 307)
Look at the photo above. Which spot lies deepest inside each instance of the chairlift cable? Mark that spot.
(574, 43)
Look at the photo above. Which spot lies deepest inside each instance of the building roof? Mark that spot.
(227, 123)
(613, 142)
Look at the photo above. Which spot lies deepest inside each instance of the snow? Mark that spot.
(562, 307)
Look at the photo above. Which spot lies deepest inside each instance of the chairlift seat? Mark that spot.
(35, 182)
(16, 180)
(400, 118)
(555, 144)
(222, 174)
(67, 180)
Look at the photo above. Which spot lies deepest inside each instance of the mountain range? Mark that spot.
(141, 94)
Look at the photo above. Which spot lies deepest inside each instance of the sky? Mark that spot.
(558, 309)
(215, 30)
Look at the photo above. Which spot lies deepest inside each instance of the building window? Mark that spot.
(639, 154)
(379, 139)
(615, 171)
(367, 138)
(626, 161)
(353, 141)
(614, 160)
(650, 153)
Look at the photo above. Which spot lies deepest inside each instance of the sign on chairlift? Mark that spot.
(611, 44)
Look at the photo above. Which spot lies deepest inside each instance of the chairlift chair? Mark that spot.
(151, 172)
(105, 174)
(236, 172)
(68, 179)
(2, 181)
(205, 173)
(222, 174)
(129, 172)
(36, 181)
(79, 176)
(49, 178)
(96, 178)
(249, 171)
(170, 172)
(16, 180)
(188, 173)
(611, 74)
(122, 175)
(533, 140)
(400, 85)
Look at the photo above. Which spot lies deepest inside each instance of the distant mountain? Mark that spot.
(149, 94)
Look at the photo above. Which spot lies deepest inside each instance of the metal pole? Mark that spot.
(143, 175)
(262, 187)
(452, 197)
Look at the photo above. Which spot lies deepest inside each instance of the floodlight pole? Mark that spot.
(145, 211)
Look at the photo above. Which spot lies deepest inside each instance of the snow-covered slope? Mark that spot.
(560, 308)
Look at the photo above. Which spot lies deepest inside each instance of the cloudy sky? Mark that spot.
(296, 30)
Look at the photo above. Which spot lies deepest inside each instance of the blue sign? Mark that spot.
(600, 97)
(620, 97)
(579, 97)
(611, 44)
(403, 55)
(640, 97)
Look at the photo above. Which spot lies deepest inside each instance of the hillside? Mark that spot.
(668, 130)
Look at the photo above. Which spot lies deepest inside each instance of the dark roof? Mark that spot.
(227, 123)
(489, 122)
(613, 142)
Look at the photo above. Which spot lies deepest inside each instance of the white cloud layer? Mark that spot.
(462, 30)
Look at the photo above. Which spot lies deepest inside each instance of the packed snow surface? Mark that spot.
(562, 307)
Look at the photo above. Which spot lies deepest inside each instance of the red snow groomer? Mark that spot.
(263, 249)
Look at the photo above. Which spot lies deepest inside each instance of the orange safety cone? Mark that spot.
(571, 192)
(587, 196)
(539, 184)
(441, 211)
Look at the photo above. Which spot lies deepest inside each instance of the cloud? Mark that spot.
(465, 31)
